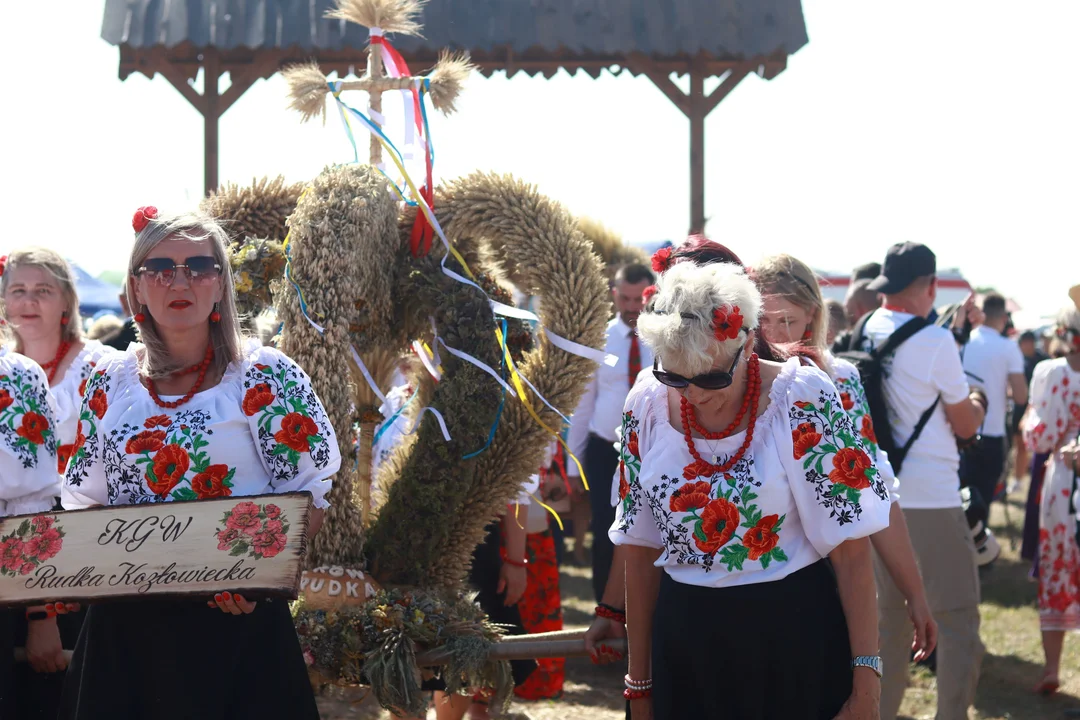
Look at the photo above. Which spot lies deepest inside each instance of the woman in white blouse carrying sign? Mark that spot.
(739, 478)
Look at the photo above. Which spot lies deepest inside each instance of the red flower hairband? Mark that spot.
(727, 323)
(647, 293)
(1070, 336)
(143, 216)
(3, 264)
(661, 260)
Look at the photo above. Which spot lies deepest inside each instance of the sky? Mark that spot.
(948, 123)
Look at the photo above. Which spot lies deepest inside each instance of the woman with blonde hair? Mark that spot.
(736, 485)
(39, 302)
(795, 316)
(194, 413)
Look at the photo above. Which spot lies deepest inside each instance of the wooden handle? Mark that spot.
(567, 643)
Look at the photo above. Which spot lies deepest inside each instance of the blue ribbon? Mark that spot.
(502, 399)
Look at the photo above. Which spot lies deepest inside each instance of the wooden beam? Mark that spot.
(642, 65)
(211, 76)
(180, 82)
(697, 112)
(721, 91)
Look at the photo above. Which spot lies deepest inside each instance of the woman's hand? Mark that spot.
(232, 603)
(641, 709)
(1070, 454)
(600, 630)
(44, 651)
(865, 700)
(926, 630)
(512, 581)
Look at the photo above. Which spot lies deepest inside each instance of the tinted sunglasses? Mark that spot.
(200, 270)
(715, 380)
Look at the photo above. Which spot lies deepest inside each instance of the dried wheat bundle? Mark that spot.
(609, 245)
(258, 210)
(393, 16)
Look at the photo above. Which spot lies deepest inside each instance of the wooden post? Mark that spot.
(211, 114)
(696, 112)
(375, 71)
(363, 468)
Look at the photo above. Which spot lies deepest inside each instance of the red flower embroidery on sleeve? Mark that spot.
(210, 483)
(727, 323)
(624, 487)
(33, 428)
(632, 445)
(63, 454)
(804, 438)
(82, 386)
(846, 401)
(761, 539)
(661, 259)
(169, 466)
(5, 399)
(257, 398)
(98, 403)
(692, 496)
(867, 429)
(849, 468)
(719, 520)
(296, 429)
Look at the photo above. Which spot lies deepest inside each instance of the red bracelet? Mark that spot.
(516, 563)
(606, 611)
(636, 694)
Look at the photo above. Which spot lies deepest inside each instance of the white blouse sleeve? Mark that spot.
(294, 438)
(1046, 422)
(835, 482)
(853, 398)
(635, 523)
(29, 482)
(84, 481)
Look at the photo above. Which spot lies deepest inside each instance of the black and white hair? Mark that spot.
(679, 320)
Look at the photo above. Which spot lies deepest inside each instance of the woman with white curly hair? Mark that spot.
(741, 482)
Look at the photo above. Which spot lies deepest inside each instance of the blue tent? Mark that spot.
(95, 295)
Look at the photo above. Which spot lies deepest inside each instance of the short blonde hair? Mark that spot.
(53, 263)
(679, 322)
(224, 334)
(791, 279)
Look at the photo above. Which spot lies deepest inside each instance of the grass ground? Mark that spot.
(1010, 631)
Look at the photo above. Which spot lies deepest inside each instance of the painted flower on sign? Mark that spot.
(35, 541)
(253, 530)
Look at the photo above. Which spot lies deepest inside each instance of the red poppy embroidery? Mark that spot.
(661, 259)
(63, 454)
(805, 437)
(33, 428)
(727, 323)
(5, 399)
(98, 403)
(846, 401)
(169, 466)
(761, 539)
(696, 469)
(632, 445)
(295, 431)
(849, 468)
(211, 482)
(692, 496)
(82, 386)
(719, 520)
(257, 398)
(867, 429)
(157, 421)
(145, 441)
(624, 487)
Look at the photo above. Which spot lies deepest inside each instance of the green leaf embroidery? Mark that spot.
(689, 518)
(227, 482)
(294, 457)
(699, 533)
(733, 556)
(853, 495)
(184, 494)
(779, 555)
(776, 527)
(836, 490)
(765, 560)
(280, 449)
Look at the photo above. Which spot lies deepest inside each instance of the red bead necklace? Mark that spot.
(201, 368)
(753, 394)
(53, 365)
(687, 410)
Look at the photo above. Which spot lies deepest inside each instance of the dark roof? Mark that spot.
(573, 33)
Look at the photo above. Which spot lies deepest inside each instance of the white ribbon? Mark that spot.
(367, 375)
(418, 348)
(438, 417)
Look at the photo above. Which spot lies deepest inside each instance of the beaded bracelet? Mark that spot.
(516, 563)
(606, 611)
(632, 684)
(636, 694)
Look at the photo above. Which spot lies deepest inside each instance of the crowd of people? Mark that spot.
(787, 497)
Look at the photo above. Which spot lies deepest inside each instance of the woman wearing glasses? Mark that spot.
(739, 478)
(41, 307)
(194, 413)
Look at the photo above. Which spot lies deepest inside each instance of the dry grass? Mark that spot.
(1010, 630)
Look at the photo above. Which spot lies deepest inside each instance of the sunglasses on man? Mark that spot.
(200, 270)
(713, 380)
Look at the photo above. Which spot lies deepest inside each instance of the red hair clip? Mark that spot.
(3, 264)
(727, 323)
(143, 216)
(661, 259)
(647, 294)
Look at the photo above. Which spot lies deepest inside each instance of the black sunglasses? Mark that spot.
(715, 380)
(200, 269)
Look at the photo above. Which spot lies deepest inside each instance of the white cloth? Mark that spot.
(600, 409)
(400, 392)
(68, 392)
(989, 359)
(28, 479)
(925, 366)
(805, 486)
(853, 398)
(260, 430)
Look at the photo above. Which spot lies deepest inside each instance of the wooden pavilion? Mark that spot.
(253, 39)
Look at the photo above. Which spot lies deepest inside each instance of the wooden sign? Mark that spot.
(251, 545)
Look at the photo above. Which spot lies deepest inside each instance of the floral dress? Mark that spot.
(1052, 421)
(260, 430)
(68, 392)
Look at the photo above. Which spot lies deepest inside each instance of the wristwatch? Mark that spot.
(868, 661)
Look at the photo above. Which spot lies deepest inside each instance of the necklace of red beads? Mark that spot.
(749, 403)
(53, 365)
(200, 368)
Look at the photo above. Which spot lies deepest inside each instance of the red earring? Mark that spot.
(807, 335)
(140, 317)
(64, 319)
(215, 316)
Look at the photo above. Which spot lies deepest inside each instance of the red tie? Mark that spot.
(635, 357)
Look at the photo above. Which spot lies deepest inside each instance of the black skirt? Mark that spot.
(176, 660)
(768, 651)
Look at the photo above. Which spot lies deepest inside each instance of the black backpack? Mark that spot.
(871, 373)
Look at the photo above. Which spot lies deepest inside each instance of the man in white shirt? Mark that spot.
(995, 364)
(923, 372)
(599, 415)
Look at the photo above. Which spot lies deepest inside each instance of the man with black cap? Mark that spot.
(925, 372)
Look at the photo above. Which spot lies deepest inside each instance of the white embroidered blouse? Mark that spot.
(260, 430)
(853, 398)
(805, 486)
(67, 393)
(28, 479)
